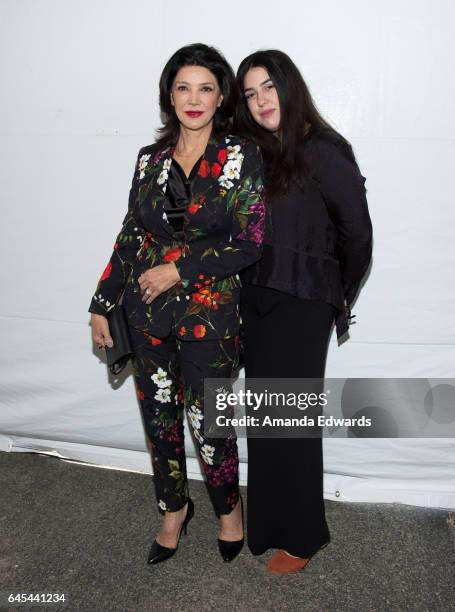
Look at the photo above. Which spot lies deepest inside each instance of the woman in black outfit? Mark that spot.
(317, 248)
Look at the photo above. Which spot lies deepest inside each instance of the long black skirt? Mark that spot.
(285, 337)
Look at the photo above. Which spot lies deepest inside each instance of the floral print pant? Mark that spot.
(169, 379)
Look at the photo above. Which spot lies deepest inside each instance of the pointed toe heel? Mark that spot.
(159, 553)
(230, 550)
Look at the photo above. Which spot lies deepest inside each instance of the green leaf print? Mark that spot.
(225, 298)
(174, 465)
(231, 199)
(247, 183)
(207, 252)
(193, 309)
(243, 220)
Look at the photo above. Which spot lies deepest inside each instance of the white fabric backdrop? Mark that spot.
(79, 97)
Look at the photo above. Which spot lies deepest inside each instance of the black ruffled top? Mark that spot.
(318, 239)
(179, 194)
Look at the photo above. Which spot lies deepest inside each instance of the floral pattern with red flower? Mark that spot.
(222, 233)
(172, 254)
(166, 392)
(107, 272)
(193, 208)
(207, 298)
(199, 331)
(204, 168)
(216, 170)
(222, 155)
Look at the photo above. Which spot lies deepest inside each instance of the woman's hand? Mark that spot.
(100, 331)
(157, 280)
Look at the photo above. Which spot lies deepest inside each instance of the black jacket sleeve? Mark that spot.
(343, 189)
(225, 258)
(113, 280)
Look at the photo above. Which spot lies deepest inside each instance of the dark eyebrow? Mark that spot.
(188, 83)
(260, 84)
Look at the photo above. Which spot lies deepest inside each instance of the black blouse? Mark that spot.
(178, 194)
(318, 239)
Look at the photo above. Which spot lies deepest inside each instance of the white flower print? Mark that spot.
(143, 165)
(163, 395)
(195, 416)
(207, 453)
(231, 169)
(160, 379)
(100, 299)
(224, 182)
(162, 504)
(165, 171)
(198, 436)
(233, 151)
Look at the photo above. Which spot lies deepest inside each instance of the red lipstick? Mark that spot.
(193, 114)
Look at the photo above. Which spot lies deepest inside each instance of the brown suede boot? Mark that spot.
(283, 563)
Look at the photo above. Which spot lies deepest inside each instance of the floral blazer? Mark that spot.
(222, 234)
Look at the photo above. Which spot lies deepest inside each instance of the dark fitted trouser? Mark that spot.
(170, 378)
(285, 337)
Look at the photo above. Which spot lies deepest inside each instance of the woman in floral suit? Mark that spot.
(195, 219)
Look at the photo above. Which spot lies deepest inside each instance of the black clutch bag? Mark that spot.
(122, 351)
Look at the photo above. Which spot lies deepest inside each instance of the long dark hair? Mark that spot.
(284, 156)
(197, 54)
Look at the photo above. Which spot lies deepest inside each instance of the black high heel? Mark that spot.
(229, 550)
(160, 553)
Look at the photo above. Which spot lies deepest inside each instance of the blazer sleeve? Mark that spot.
(113, 280)
(343, 189)
(244, 247)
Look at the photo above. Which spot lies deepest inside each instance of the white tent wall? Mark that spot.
(79, 97)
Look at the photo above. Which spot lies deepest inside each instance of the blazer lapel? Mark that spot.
(206, 179)
(211, 166)
(162, 163)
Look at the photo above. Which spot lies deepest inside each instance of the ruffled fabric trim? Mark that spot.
(305, 275)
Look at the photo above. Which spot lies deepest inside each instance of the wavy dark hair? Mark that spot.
(284, 156)
(197, 54)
